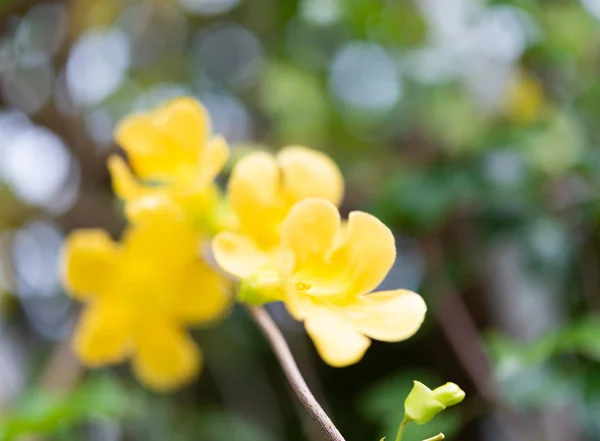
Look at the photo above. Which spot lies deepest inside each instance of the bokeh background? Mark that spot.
(471, 127)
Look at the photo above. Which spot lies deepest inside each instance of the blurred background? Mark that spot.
(470, 127)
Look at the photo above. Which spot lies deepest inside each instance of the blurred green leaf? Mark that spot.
(422, 200)
(217, 426)
(589, 405)
(557, 146)
(44, 413)
(295, 101)
(582, 337)
(526, 369)
(570, 31)
(456, 121)
(399, 24)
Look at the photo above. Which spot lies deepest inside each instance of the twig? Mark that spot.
(288, 364)
(62, 371)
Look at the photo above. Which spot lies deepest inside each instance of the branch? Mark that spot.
(270, 330)
(62, 371)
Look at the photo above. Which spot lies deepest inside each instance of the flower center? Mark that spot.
(302, 287)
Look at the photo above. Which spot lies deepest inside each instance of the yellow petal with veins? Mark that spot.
(366, 252)
(310, 230)
(337, 341)
(387, 315)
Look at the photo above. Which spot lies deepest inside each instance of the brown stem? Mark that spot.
(270, 330)
(62, 371)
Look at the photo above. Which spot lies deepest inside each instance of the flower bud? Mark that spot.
(449, 394)
(422, 404)
(262, 287)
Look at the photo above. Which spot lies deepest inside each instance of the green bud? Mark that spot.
(262, 287)
(449, 394)
(422, 404)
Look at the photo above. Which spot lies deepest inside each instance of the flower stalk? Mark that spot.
(273, 335)
(401, 429)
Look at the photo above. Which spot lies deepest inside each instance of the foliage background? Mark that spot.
(469, 126)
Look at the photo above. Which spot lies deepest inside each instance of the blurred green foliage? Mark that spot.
(470, 124)
(47, 413)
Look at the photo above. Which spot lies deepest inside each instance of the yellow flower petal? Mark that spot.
(158, 206)
(194, 199)
(204, 295)
(144, 203)
(88, 261)
(198, 203)
(239, 255)
(263, 184)
(253, 188)
(387, 315)
(336, 340)
(160, 250)
(310, 229)
(367, 252)
(146, 147)
(186, 122)
(160, 143)
(124, 183)
(309, 173)
(104, 334)
(213, 159)
(166, 357)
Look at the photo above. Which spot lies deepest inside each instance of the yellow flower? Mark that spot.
(261, 191)
(170, 149)
(328, 271)
(140, 295)
(524, 101)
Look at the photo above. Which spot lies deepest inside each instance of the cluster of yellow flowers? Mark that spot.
(277, 228)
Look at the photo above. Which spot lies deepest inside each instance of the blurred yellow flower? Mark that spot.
(262, 189)
(171, 150)
(327, 272)
(140, 295)
(524, 99)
